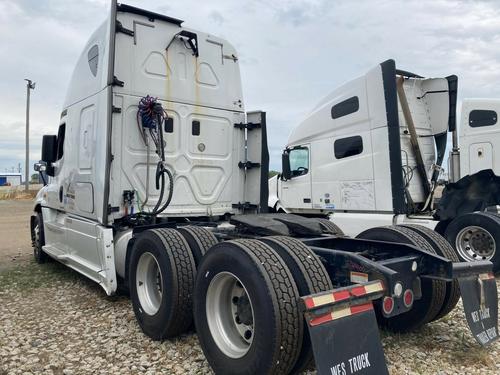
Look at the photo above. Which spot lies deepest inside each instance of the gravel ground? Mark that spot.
(52, 320)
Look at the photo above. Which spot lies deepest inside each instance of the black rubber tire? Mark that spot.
(487, 220)
(38, 241)
(177, 266)
(269, 284)
(426, 308)
(441, 227)
(199, 240)
(443, 248)
(309, 275)
(328, 227)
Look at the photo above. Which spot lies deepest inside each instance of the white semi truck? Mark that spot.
(158, 184)
(371, 152)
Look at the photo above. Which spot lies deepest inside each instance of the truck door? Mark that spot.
(480, 136)
(296, 191)
(481, 156)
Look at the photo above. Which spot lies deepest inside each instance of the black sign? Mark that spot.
(348, 345)
(480, 301)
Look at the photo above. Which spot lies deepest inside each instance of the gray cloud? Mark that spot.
(292, 53)
(216, 17)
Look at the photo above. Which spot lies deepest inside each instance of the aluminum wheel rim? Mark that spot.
(149, 283)
(475, 243)
(230, 315)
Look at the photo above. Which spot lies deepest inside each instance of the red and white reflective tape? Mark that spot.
(486, 276)
(356, 291)
(340, 313)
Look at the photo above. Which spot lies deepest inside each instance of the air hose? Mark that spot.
(152, 116)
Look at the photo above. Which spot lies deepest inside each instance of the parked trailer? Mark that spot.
(371, 152)
(158, 184)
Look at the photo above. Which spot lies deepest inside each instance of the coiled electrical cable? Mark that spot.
(152, 116)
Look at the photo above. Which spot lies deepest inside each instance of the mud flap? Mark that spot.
(480, 300)
(344, 331)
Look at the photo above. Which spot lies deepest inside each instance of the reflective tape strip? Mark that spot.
(356, 291)
(340, 313)
(327, 299)
(486, 276)
(372, 288)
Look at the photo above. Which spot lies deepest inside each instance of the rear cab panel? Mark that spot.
(202, 94)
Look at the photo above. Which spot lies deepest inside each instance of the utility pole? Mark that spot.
(29, 86)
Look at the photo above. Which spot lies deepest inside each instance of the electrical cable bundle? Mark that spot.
(152, 116)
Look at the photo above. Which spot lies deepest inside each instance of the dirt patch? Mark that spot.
(18, 192)
(15, 245)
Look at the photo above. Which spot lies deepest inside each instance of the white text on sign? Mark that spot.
(480, 314)
(357, 363)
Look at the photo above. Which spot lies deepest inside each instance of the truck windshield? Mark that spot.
(299, 161)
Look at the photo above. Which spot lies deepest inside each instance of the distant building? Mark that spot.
(10, 178)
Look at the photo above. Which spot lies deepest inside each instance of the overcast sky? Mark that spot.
(292, 53)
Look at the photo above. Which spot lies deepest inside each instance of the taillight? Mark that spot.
(388, 305)
(408, 298)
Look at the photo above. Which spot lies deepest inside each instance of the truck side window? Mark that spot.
(299, 161)
(60, 141)
(93, 57)
(345, 107)
(479, 118)
(349, 146)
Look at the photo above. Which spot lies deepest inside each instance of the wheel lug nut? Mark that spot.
(238, 320)
(235, 300)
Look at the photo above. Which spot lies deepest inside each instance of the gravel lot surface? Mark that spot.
(53, 320)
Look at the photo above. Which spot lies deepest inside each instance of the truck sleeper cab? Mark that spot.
(158, 183)
(372, 151)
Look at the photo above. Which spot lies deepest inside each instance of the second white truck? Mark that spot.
(371, 153)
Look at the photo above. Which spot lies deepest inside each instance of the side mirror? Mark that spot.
(40, 167)
(43, 170)
(49, 148)
(285, 165)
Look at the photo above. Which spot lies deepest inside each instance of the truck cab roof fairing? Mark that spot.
(146, 13)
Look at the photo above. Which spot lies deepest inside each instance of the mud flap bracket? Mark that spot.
(343, 329)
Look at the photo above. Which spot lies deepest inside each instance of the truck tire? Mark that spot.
(240, 282)
(475, 236)
(309, 275)
(199, 240)
(443, 248)
(38, 239)
(161, 281)
(441, 227)
(328, 227)
(426, 308)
